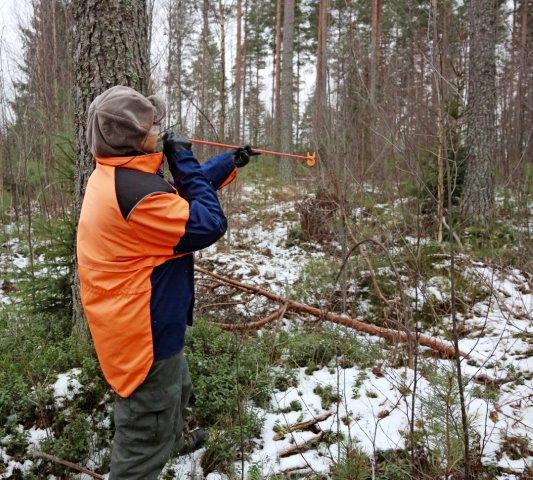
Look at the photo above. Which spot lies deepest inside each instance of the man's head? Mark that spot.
(121, 121)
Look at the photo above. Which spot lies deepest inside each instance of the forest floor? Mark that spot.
(356, 390)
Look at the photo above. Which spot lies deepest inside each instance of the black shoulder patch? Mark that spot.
(131, 186)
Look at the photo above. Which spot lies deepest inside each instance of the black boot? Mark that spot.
(193, 440)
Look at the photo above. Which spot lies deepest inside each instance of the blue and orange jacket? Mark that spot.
(135, 239)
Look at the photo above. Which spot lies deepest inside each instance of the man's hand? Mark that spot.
(173, 142)
(241, 155)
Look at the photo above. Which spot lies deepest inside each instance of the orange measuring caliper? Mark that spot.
(310, 158)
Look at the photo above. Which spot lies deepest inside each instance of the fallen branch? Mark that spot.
(297, 471)
(301, 447)
(253, 325)
(65, 463)
(220, 304)
(305, 425)
(390, 334)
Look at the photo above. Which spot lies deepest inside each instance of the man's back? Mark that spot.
(116, 264)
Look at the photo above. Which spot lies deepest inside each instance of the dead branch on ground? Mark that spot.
(65, 463)
(389, 334)
(301, 447)
(254, 325)
(305, 425)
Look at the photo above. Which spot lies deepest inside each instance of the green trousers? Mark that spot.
(149, 423)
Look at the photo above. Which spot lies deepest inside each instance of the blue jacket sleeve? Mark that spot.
(219, 168)
(206, 223)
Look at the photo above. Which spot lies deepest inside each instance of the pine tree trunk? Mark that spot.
(319, 118)
(205, 107)
(477, 204)
(287, 99)
(277, 77)
(373, 112)
(245, 67)
(112, 49)
(238, 74)
(222, 87)
(174, 74)
(522, 75)
(375, 50)
(438, 74)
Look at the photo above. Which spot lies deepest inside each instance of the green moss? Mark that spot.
(285, 379)
(294, 406)
(327, 395)
(354, 465)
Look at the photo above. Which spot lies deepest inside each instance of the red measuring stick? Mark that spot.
(310, 158)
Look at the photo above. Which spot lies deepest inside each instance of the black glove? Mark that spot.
(241, 155)
(172, 142)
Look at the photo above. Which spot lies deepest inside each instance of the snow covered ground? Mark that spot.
(499, 345)
(498, 341)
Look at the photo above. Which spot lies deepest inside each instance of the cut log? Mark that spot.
(301, 447)
(296, 471)
(300, 426)
(389, 334)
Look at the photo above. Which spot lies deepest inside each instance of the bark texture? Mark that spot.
(177, 28)
(287, 83)
(477, 204)
(277, 76)
(320, 114)
(238, 73)
(438, 74)
(375, 44)
(112, 49)
(222, 87)
(321, 71)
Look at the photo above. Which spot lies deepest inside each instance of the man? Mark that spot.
(135, 237)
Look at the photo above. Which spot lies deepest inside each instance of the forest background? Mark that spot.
(416, 219)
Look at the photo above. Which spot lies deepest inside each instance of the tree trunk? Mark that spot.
(373, 111)
(277, 77)
(222, 87)
(523, 74)
(477, 204)
(112, 49)
(174, 75)
(319, 123)
(245, 66)
(238, 75)
(375, 47)
(287, 85)
(205, 107)
(438, 75)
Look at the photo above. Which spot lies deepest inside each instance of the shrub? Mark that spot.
(228, 375)
(225, 370)
(354, 465)
(327, 395)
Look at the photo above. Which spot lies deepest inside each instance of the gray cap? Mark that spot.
(119, 120)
